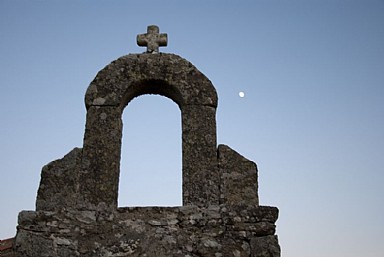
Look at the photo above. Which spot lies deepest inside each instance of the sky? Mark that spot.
(312, 117)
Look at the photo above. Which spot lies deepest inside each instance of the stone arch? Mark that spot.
(109, 93)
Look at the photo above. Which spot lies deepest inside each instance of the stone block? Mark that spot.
(238, 175)
(59, 182)
(267, 246)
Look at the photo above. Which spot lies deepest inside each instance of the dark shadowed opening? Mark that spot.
(151, 154)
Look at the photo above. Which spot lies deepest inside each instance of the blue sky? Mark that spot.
(312, 116)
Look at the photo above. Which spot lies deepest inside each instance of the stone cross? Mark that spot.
(152, 39)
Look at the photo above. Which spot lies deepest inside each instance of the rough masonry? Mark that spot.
(76, 206)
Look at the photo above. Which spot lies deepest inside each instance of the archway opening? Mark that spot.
(151, 154)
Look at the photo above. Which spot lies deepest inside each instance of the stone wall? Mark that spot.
(150, 231)
(238, 226)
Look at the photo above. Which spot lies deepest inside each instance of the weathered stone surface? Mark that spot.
(238, 178)
(76, 207)
(101, 157)
(265, 246)
(136, 74)
(200, 170)
(59, 181)
(148, 231)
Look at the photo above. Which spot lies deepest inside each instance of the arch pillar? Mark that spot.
(200, 168)
(99, 178)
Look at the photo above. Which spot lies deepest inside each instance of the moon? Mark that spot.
(241, 94)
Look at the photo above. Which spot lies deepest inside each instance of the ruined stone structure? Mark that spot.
(76, 207)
